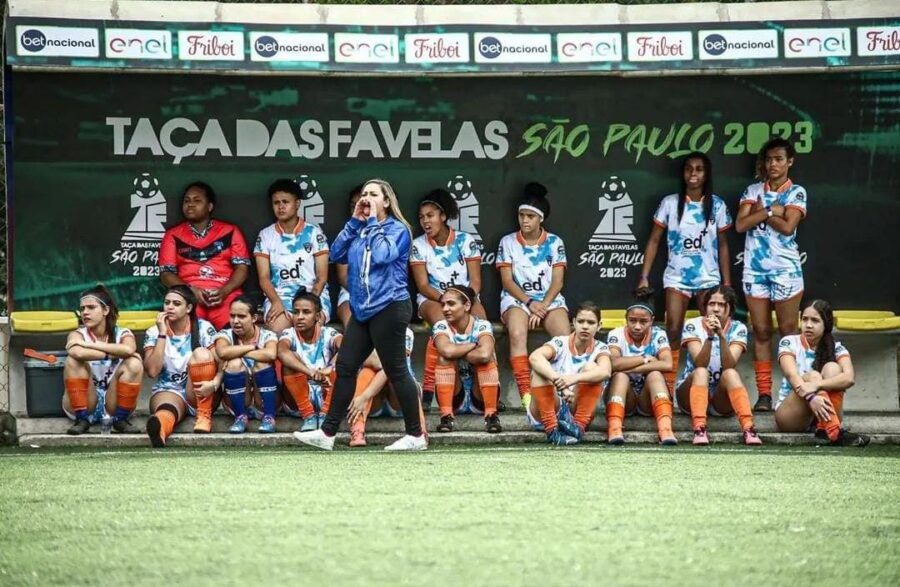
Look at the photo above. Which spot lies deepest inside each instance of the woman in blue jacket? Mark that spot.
(375, 244)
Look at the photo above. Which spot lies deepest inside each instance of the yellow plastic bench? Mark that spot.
(137, 319)
(614, 318)
(866, 320)
(43, 321)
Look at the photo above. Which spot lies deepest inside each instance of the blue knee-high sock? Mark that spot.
(236, 388)
(267, 384)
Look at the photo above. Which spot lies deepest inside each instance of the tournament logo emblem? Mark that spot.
(139, 246)
(312, 206)
(613, 247)
(462, 191)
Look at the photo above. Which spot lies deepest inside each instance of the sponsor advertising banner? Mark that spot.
(453, 49)
(98, 162)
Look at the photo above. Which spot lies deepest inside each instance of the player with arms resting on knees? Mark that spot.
(817, 372)
(769, 213)
(710, 382)
(178, 353)
(532, 264)
(640, 355)
(308, 351)
(246, 350)
(102, 372)
(569, 370)
(465, 343)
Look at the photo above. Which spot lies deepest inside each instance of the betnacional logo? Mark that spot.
(817, 42)
(289, 47)
(210, 46)
(139, 247)
(513, 48)
(437, 48)
(738, 44)
(588, 47)
(613, 247)
(660, 46)
(53, 41)
(138, 44)
(878, 40)
(366, 48)
(312, 205)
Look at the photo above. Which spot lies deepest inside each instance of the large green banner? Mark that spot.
(99, 162)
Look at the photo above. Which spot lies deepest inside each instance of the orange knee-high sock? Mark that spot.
(298, 386)
(328, 393)
(167, 423)
(522, 372)
(586, 397)
(126, 398)
(837, 400)
(699, 405)
(545, 396)
(763, 371)
(615, 416)
(203, 372)
(832, 426)
(77, 390)
(740, 401)
(431, 361)
(366, 374)
(670, 375)
(444, 386)
(489, 384)
(662, 411)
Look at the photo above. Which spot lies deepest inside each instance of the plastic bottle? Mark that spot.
(106, 424)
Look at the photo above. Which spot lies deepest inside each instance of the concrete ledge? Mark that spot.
(382, 439)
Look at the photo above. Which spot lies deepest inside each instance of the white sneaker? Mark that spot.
(316, 438)
(409, 443)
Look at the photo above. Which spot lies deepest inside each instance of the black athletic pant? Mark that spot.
(386, 333)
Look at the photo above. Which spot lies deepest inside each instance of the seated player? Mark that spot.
(817, 373)
(307, 352)
(246, 350)
(640, 356)
(466, 376)
(374, 397)
(102, 373)
(710, 382)
(568, 371)
(178, 353)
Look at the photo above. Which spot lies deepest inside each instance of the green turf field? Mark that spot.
(463, 516)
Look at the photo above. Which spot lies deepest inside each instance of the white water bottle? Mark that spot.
(106, 424)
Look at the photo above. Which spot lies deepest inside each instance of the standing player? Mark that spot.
(532, 264)
(466, 376)
(817, 373)
(640, 355)
(245, 350)
(440, 258)
(290, 254)
(710, 381)
(569, 370)
(698, 258)
(209, 256)
(102, 372)
(178, 353)
(769, 213)
(308, 351)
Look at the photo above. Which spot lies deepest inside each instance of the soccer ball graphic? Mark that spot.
(309, 189)
(613, 189)
(460, 188)
(146, 186)
(312, 206)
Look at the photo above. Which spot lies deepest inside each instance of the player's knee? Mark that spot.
(201, 355)
(260, 366)
(72, 364)
(234, 366)
(701, 376)
(132, 368)
(831, 369)
(619, 378)
(655, 378)
(730, 377)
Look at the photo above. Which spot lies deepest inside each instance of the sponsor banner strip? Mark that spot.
(452, 49)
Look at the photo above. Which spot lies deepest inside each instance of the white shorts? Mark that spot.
(343, 297)
(776, 288)
(191, 409)
(508, 302)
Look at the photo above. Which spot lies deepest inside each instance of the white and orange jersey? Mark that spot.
(102, 369)
(317, 353)
(566, 359)
(177, 353)
(532, 265)
(693, 244)
(796, 346)
(260, 338)
(695, 329)
(446, 265)
(766, 251)
(477, 328)
(655, 340)
(292, 258)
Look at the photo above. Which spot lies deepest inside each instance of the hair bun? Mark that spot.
(535, 190)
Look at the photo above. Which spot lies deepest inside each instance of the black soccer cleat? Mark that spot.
(154, 431)
(448, 424)
(79, 427)
(125, 427)
(821, 438)
(847, 438)
(763, 404)
(492, 424)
